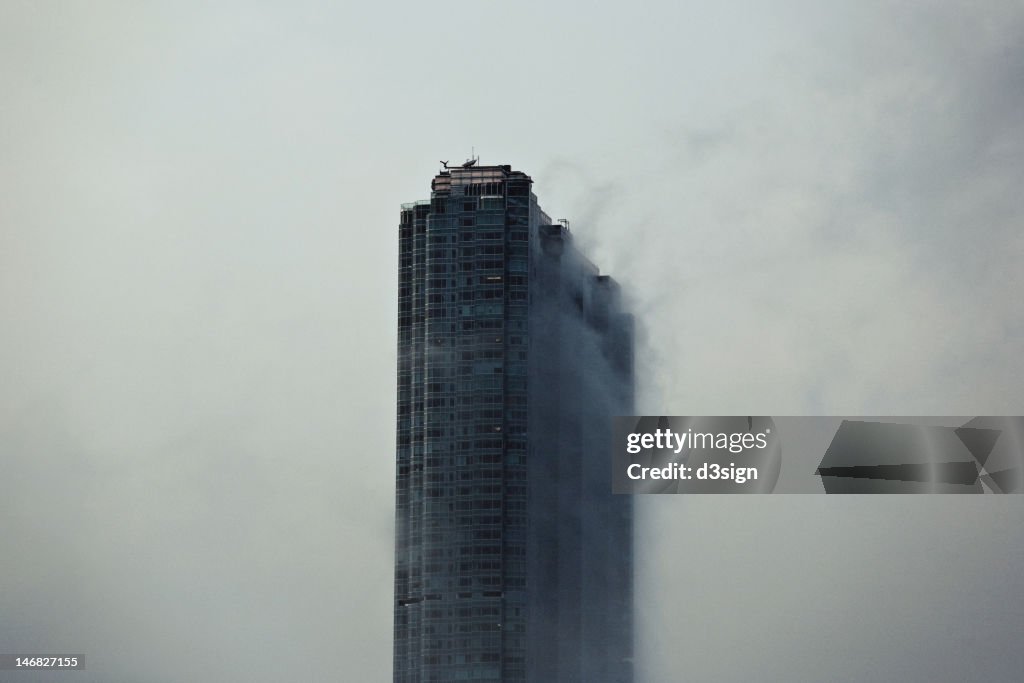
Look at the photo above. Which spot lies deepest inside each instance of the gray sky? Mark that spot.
(814, 207)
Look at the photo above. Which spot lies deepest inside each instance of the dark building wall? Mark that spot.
(513, 560)
(581, 535)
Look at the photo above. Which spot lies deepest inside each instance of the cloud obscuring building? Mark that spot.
(513, 559)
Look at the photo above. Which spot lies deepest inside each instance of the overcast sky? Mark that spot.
(814, 208)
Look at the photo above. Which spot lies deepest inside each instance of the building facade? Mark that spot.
(513, 560)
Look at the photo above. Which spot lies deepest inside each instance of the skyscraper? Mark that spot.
(513, 560)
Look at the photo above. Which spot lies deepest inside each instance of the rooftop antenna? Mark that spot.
(473, 158)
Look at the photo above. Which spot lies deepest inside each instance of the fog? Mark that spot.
(812, 208)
